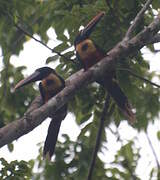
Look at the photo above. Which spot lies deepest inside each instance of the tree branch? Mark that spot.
(20, 127)
(78, 80)
(137, 19)
(99, 135)
(154, 39)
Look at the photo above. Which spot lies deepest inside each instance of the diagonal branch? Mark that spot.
(78, 80)
(99, 135)
(37, 40)
(41, 42)
(137, 20)
(153, 151)
(154, 39)
(138, 76)
(29, 35)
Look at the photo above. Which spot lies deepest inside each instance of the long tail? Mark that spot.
(51, 139)
(53, 131)
(120, 98)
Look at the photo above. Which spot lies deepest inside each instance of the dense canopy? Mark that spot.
(19, 22)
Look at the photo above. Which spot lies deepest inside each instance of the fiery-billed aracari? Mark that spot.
(88, 54)
(51, 83)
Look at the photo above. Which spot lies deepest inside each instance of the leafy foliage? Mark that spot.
(16, 170)
(66, 17)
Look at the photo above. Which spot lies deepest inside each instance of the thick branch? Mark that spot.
(137, 20)
(20, 127)
(35, 115)
(154, 39)
(78, 80)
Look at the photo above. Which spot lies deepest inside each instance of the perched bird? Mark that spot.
(51, 84)
(88, 54)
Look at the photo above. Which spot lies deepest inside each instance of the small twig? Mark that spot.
(153, 151)
(137, 20)
(138, 76)
(98, 139)
(39, 41)
(28, 34)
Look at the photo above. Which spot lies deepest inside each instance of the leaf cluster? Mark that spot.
(67, 17)
(15, 170)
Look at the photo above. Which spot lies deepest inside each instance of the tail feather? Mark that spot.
(120, 98)
(53, 131)
(51, 139)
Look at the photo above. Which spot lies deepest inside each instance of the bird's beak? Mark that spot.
(36, 76)
(90, 26)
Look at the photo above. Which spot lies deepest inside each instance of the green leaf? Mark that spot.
(61, 47)
(10, 147)
(158, 135)
(66, 18)
(52, 59)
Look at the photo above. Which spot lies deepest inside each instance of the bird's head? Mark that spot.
(38, 75)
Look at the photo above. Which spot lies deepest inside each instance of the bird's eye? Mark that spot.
(84, 47)
(49, 82)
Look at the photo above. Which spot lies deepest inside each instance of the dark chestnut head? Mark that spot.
(38, 75)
